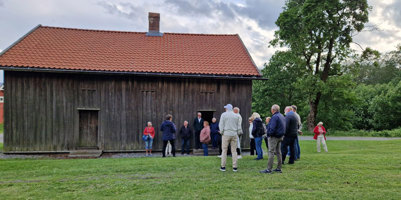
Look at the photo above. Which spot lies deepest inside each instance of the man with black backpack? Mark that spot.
(275, 132)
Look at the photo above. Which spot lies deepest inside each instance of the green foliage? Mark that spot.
(351, 170)
(318, 34)
(337, 98)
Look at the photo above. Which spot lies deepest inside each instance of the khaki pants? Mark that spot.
(320, 139)
(226, 140)
(274, 149)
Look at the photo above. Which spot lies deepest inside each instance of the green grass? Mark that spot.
(362, 133)
(1, 128)
(351, 170)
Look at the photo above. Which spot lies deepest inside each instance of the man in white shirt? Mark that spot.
(230, 126)
(239, 136)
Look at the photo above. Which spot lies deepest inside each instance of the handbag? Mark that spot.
(145, 138)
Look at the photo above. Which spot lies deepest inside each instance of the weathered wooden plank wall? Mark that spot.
(42, 109)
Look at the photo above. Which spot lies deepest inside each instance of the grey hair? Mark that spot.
(199, 113)
(255, 115)
(276, 108)
(186, 121)
(294, 108)
(149, 122)
(236, 108)
(287, 109)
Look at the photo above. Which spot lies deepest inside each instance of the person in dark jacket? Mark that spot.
(215, 133)
(168, 129)
(275, 132)
(257, 132)
(185, 133)
(198, 126)
(291, 133)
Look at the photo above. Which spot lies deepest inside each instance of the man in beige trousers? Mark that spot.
(230, 126)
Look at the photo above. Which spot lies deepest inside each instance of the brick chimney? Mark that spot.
(154, 25)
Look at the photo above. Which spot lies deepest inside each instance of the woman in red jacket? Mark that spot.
(150, 133)
(320, 136)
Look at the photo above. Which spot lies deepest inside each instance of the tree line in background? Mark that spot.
(320, 73)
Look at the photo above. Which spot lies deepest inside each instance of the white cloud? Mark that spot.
(253, 20)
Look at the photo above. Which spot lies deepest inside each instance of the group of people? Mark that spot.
(280, 134)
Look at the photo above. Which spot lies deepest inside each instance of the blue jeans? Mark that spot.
(258, 145)
(215, 140)
(185, 145)
(148, 143)
(205, 150)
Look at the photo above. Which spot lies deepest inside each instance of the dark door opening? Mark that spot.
(88, 129)
(207, 115)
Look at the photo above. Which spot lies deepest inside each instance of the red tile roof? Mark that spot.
(92, 50)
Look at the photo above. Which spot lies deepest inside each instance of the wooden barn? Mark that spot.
(71, 89)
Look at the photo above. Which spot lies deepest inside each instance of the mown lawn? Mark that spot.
(351, 170)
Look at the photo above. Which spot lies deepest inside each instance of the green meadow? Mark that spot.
(351, 170)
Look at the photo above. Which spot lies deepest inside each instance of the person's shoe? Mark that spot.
(235, 169)
(219, 156)
(278, 171)
(223, 169)
(266, 171)
(239, 157)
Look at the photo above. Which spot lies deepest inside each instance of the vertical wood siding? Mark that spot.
(41, 109)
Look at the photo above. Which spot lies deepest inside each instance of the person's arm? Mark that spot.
(173, 129)
(144, 131)
(240, 132)
(221, 124)
(272, 125)
(324, 130)
(316, 130)
(162, 127)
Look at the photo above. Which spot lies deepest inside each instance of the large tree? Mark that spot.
(320, 33)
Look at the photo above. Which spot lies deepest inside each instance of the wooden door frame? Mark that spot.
(99, 136)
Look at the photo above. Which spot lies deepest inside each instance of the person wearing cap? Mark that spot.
(230, 127)
(320, 136)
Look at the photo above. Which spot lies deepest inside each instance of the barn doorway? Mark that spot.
(207, 115)
(88, 129)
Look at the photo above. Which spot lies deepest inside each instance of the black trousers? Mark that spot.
(267, 143)
(288, 142)
(198, 144)
(253, 147)
(172, 147)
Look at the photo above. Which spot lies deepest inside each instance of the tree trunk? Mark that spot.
(311, 119)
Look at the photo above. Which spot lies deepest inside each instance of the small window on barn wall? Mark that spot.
(207, 94)
(1, 99)
(88, 98)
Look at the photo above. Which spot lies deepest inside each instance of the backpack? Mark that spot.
(259, 129)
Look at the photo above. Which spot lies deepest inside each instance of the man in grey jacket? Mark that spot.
(230, 126)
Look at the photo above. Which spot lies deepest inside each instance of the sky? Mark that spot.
(253, 20)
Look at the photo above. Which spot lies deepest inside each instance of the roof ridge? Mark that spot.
(135, 32)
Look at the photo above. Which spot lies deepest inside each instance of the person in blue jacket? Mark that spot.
(275, 131)
(168, 128)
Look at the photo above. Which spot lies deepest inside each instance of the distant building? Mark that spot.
(2, 104)
(68, 89)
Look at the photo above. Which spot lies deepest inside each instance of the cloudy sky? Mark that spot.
(253, 20)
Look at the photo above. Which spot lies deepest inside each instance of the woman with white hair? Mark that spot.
(148, 135)
(257, 132)
(320, 136)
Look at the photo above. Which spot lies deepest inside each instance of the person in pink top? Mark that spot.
(320, 136)
(205, 137)
(150, 132)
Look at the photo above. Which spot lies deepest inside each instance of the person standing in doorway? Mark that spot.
(150, 133)
(239, 136)
(168, 129)
(205, 137)
(185, 133)
(198, 126)
(229, 128)
(215, 133)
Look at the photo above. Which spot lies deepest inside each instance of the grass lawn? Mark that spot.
(351, 170)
